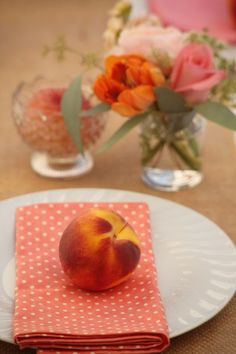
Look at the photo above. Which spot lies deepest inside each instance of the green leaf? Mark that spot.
(100, 108)
(124, 129)
(218, 113)
(170, 101)
(71, 107)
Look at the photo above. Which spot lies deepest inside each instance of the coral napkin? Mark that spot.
(52, 315)
(216, 15)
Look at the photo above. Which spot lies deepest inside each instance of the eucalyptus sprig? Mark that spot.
(72, 111)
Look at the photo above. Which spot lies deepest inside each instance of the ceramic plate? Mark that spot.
(196, 260)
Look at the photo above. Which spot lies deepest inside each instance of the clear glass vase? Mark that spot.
(37, 116)
(171, 150)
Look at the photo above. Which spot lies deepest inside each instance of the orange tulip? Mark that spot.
(128, 84)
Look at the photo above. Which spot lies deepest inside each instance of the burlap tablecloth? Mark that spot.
(27, 25)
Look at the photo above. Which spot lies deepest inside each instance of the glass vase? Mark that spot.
(37, 116)
(171, 150)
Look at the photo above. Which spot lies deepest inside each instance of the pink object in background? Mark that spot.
(216, 15)
(51, 314)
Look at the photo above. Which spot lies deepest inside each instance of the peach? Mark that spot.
(99, 249)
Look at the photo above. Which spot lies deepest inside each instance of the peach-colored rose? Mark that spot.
(194, 73)
(145, 38)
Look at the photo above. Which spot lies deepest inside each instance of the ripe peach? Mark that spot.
(99, 249)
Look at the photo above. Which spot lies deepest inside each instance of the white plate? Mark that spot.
(196, 261)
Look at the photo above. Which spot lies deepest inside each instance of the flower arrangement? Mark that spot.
(160, 78)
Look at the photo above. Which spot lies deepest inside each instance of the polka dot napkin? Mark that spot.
(55, 317)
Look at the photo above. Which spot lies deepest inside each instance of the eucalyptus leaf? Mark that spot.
(100, 108)
(218, 113)
(123, 130)
(170, 101)
(71, 107)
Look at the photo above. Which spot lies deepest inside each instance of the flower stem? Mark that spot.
(186, 153)
(152, 152)
(173, 156)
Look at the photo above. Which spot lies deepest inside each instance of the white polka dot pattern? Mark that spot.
(51, 313)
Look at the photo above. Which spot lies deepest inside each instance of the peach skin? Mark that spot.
(99, 250)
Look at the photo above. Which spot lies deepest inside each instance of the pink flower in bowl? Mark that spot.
(194, 73)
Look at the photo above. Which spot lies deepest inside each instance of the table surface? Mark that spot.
(25, 27)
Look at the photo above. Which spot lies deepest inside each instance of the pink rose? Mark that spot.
(194, 74)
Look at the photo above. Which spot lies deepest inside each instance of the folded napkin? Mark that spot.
(54, 316)
(218, 16)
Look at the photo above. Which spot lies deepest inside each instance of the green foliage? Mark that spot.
(156, 135)
(71, 108)
(100, 108)
(170, 101)
(217, 113)
(203, 37)
(59, 48)
(123, 130)
(91, 60)
(225, 92)
(226, 89)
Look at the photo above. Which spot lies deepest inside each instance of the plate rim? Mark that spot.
(56, 192)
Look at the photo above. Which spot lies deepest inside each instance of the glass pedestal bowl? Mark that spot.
(37, 115)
